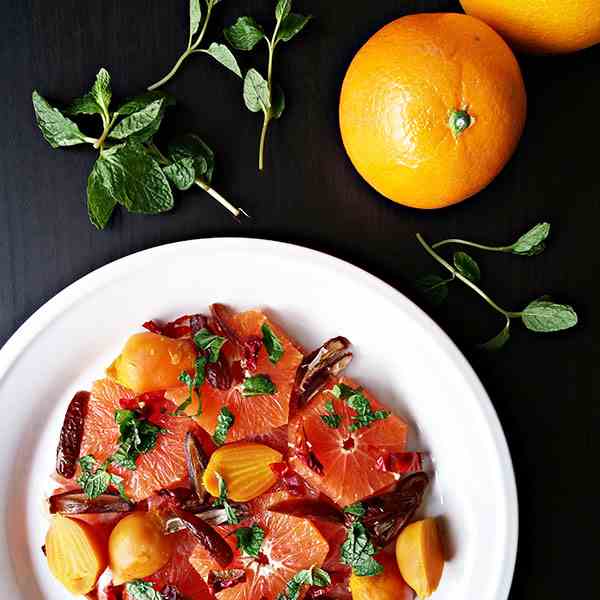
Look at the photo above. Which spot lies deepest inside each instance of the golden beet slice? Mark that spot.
(76, 556)
(387, 585)
(150, 362)
(420, 556)
(245, 467)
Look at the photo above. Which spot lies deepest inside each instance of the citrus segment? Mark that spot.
(162, 467)
(253, 415)
(290, 545)
(345, 467)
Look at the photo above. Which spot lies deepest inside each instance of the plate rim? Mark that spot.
(41, 318)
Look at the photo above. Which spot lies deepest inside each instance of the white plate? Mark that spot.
(399, 353)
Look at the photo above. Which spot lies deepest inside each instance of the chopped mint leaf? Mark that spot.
(250, 539)
(356, 400)
(210, 343)
(314, 576)
(331, 419)
(341, 390)
(272, 343)
(137, 436)
(142, 590)
(258, 385)
(225, 421)
(357, 509)
(95, 481)
(230, 513)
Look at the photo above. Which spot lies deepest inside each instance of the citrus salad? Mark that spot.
(218, 459)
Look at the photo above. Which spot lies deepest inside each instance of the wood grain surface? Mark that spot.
(542, 387)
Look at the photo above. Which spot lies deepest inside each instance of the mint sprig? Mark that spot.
(130, 170)
(541, 315)
(260, 94)
(197, 31)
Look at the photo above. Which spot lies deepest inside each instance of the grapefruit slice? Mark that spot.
(344, 462)
(164, 466)
(254, 415)
(290, 545)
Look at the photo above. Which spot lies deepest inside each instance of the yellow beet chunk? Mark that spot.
(151, 362)
(138, 547)
(388, 585)
(420, 556)
(76, 556)
(245, 468)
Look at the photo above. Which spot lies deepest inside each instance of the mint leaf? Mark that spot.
(137, 121)
(278, 102)
(332, 419)
(195, 17)
(222, 54)
(244, 34)
(93, 483)
(544, 316)
(292, 25)
(86, 105)
(532, 242)
(101, 91)
(272, 343)
(134, 179)
(314, 576)
(57, 129)
(343, 391)
(194, 382)
(256, 92)
(357, 509)
(225, 421)
(434, 288)
(282, 10)
(250, 539)
(258, 385)
(207, 341)
(191, 146)
(467, 266)
(100, 198)
(181, 173)
(357, 551)
(140, 102)
(142, 590)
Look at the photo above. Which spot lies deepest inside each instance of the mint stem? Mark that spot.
(100, 141)
(466, 281)
(212, 192)
(263, 137)
(472, 245)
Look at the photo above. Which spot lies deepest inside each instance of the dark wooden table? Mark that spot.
(542, 387)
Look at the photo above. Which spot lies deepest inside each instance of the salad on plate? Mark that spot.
(219, 459)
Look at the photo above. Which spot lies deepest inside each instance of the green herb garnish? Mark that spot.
(314, 576)
(222, 501)
(357, 509)
(197, 27)
(250, 539)
(258, 385)
(95, 479)
(331, 419)
(262, 95)
(272, 343)
(142, 590)
(130, 170)
(193, 383)
(137, 436)
(541, 315)
(358, 551)
(225, 421)
(207, 341)
(355, 399)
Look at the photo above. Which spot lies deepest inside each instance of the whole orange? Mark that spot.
(541, 26)
(432, 108)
